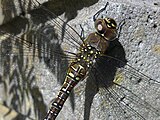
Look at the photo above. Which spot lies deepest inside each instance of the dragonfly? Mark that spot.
(54, 42)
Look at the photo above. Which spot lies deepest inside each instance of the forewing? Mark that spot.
(44, 41)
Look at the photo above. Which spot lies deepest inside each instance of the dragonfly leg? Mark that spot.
(82, 32)
(119, 28)
(101, 10)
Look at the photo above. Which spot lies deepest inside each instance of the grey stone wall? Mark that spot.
(28, 87)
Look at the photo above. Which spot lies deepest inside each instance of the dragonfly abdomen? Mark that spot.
(76, 72)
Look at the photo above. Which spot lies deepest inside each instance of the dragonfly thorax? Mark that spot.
(87, 55)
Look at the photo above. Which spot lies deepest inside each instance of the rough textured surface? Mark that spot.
(139, 45)
(10, 9)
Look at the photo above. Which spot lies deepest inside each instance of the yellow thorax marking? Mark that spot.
(91, 52)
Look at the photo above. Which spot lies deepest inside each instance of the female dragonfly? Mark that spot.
(113, 88)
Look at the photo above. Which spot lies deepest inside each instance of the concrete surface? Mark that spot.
(29, 81)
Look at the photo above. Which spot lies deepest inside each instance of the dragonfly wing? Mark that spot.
(47, 42)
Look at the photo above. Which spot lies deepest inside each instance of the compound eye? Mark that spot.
(110, 23)
(100, 26)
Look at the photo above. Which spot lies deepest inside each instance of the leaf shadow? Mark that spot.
(20, 84)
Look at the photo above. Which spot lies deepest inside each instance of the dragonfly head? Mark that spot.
(107, 28)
